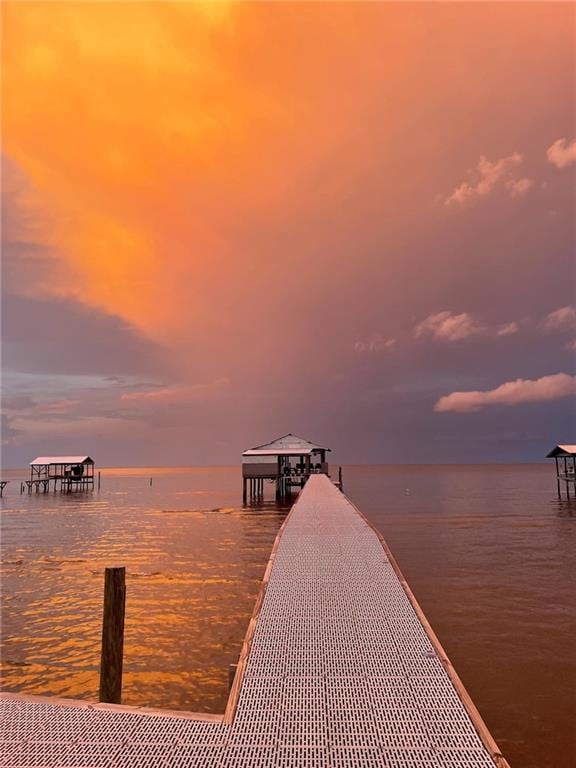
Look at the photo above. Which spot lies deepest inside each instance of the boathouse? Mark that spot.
(565, 459)
(69, 473)
(287, 462)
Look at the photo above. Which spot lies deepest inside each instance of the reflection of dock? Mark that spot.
(339, 669)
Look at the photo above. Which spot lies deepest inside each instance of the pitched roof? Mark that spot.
(562, 450)
(286, 445)
(62, 460)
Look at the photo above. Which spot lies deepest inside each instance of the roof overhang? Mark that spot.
(287, 445)
(562, 450)
(283, 452)
(44, 460)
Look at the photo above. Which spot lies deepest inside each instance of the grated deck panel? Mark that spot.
(341, 673)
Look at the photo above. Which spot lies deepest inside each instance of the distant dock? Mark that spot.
(69, 473)
(339, 669)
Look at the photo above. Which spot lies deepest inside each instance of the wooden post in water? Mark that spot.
(98, 480)
(340, 477)
(112, 635)
(231, 675)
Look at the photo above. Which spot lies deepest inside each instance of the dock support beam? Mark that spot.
(112, 636)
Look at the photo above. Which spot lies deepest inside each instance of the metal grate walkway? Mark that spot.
(339, 670)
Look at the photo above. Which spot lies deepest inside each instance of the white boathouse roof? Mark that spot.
(287, 445)
(42, 460)
(562, 450)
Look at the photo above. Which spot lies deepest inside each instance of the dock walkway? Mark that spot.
(339, 669)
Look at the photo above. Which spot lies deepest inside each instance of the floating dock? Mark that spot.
(339, 669)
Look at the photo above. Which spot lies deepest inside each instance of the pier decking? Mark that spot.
(339, 669)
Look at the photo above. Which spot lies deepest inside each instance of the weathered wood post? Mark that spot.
(98, 480)
(112, 635)
(340, 478)
(231, 675)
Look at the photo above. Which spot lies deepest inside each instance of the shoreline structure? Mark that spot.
(339, 669)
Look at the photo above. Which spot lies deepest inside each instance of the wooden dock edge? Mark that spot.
(95, 705)
(475, 716)
(239, 676)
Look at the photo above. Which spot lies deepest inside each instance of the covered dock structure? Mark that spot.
(69, 473)
(565, 460)
(287, 461)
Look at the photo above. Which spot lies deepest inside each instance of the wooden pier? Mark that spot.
(339, 669)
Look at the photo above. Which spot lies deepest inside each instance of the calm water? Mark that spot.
(490, 553)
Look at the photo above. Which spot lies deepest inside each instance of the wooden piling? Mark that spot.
(340, 478)
(112, 635)
(98, 480)
(231, 675)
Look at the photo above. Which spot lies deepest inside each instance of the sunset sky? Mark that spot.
(227, 221)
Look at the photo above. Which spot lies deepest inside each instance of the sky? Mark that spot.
(223, 222)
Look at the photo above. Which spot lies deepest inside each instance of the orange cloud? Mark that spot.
(174, 395)
(124, 118)
(376, 343)
(552, 387)
(57, 406)
(562, 153)
(447, 326)
(562, 319)
(169, 140)
(488, 177)
(192, 155)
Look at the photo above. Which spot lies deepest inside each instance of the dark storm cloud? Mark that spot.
(65, 337)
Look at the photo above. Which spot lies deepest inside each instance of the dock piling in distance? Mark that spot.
(231, 675)
(111, 660)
